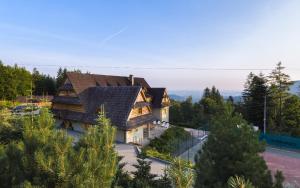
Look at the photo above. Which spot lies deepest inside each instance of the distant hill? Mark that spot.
(177, 97)
(181, 95)
(295, 88)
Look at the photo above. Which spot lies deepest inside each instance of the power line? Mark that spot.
(157, 68)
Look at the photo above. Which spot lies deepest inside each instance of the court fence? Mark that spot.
(282, 141)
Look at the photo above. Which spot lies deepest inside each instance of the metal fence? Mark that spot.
(282, 141)
(183, 146)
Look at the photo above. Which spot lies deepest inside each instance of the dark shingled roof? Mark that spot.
(81, 81)
(66, 87)
(66, 100)
(70, 115)
(118, 102)
(140, 120)
(114, 92)
(157, 96)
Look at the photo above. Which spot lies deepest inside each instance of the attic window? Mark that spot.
(140, 111)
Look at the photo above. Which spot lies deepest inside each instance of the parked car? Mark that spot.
(20, 108)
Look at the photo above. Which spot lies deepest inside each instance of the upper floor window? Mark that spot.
(140, 110)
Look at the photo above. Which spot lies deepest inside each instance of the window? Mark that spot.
(140, 110)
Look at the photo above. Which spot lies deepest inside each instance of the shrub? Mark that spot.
(169, 140)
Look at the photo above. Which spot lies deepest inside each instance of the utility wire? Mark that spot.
(158, 68)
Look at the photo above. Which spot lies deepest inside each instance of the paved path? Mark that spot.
(130, 158)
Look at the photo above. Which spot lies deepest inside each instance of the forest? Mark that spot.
(17, 81)
(282, 108)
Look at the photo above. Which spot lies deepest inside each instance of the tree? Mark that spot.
(232, 148)
(14, 81)
(61, 76)
(9, 133)
(254, 94)
(97, 159)
(175, 111)
(187, 109)
(196, 115)
(122, 178)
(212, 103)
(142, 176)
(239, 182)
(291, 116)
(46, 157)
(279, 86)
(164, 181)
(279, 179)
(43, 84)
(180, 173)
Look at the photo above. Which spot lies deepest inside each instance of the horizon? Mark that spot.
(179, 45)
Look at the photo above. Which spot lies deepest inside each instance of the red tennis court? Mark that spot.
(286, 161)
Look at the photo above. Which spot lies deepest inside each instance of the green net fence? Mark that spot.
(281, 141)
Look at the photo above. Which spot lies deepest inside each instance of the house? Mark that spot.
(129, 102)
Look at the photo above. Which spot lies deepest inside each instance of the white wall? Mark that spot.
(165, 114)
(135, 135)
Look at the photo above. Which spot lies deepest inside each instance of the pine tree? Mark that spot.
(279, 86)
(279, 179)
(61, 76)
(232, 148)
(254, 94)
(180, 173)
(142, 176)
(291, 116)
(122, 178)
(239, 182)
(164, 181)
(46, 157)
(97, 159)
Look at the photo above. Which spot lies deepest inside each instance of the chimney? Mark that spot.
(131, 79)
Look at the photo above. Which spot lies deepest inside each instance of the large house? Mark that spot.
(129, 102)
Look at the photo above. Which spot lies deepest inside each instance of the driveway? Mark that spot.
(130, 158)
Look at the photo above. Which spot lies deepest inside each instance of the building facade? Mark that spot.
(130, 103)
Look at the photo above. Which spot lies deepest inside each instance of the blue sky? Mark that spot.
(151, 38)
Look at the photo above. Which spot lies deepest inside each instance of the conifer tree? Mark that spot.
(232, 148)
(279, 86)
(97, 159)
(142, 176)
(180, 173)
(46, 157)
(254, 94)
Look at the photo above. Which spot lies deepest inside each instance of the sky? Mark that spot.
(178, 44)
